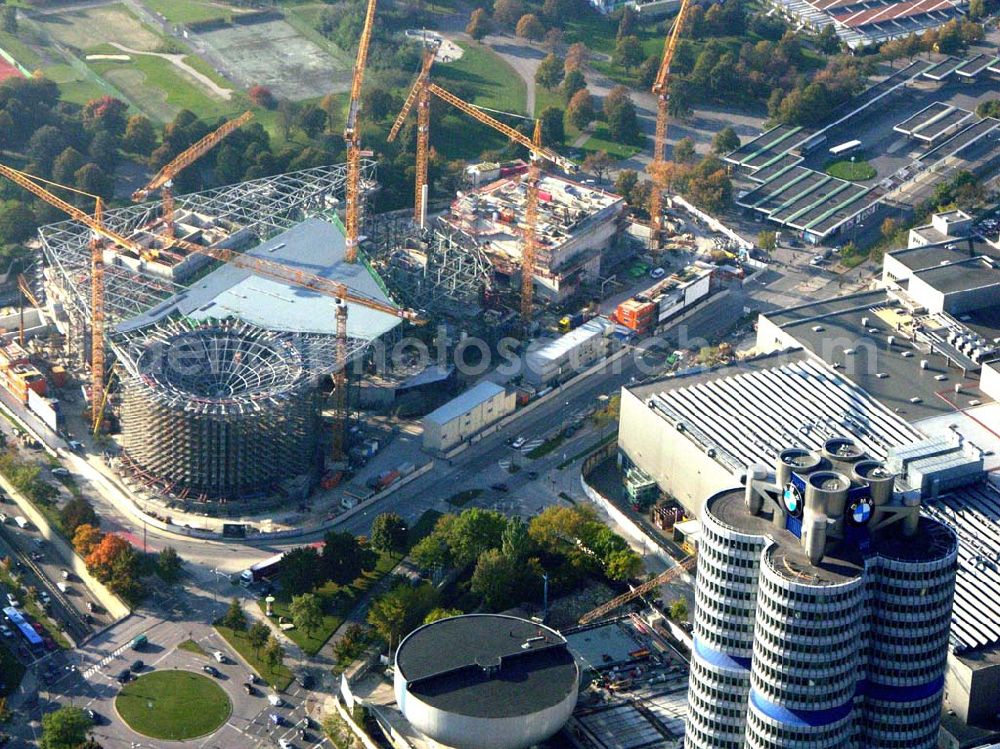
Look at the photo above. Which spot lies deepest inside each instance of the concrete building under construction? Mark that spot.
(222, 369)
(576, 224)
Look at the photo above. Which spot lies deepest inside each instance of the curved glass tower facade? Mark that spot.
(823, 605)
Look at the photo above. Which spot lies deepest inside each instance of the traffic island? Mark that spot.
(173, 705)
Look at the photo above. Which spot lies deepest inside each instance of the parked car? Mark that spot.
(62, 472)
(137, 666)
(657, 273)
(6, 631)
(124, 676)
(285, 744)
(219, 656)
(211, 671)
(248, 687)
(518, 443)
(276, 719)
(12, 600)
(304, 679)
(501, 487)
(274, 699)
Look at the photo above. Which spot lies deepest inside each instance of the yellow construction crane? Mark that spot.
(164, 179)
(259, 266)
(421, 95)
(353, 140)
(661, 88)
(686, 565)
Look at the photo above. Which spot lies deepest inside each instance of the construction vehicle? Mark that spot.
(685, 565)
(259, 266)
(661, 88)
(164, 179)
(352, 138)
(420, 92)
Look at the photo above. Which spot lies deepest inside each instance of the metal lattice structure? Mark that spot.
(218, 411)
(442, 269)
(258, 208)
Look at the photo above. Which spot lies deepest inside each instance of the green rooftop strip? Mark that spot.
(771, 145)
(836, 191)
(832, 211)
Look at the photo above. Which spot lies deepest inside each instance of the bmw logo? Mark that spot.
(792, 500)
(860, 511)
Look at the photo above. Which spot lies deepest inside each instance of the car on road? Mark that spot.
(248, 688)
(285, 744)
(518, 443)
(137, 666)
(124, 676)
(75, 445)
(211, 671)
(276, 719)
(274, 699)
(6, 631)
(532, 475)
(219, 656)
(3, 517)
(657, 273)
(64, 573)
(61, 472)
(95, 718)
(12, 600)
(138, 642)
(500, 487)
(304, 679)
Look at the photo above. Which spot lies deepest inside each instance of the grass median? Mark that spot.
(173, 705)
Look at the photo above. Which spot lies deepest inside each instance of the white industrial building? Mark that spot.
(465, 416)
(557, 360)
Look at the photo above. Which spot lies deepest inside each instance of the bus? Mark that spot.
(26, 630)
(845, 148)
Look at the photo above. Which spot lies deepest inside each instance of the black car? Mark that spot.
(500, 487)
(95, 718)
(532, 475)
(304, 679)
(124, 676)
(137, 666)
(248, 687)
(211, 671)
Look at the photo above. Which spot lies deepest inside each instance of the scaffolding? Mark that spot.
(220, 410)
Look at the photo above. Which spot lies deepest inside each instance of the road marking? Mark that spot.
(105, 660)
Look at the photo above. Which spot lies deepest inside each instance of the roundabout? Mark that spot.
(173, 705)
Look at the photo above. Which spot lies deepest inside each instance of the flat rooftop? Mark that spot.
(314, 246)
(445, 664)
(750, 411)
(844, 560)
(832, 330)
(464, 403)
(970, 273)
(950, 251)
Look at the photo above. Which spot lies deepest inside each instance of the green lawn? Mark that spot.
(173, 705)
(279, 678)
(186, 11)
(192, 647)
(497, 84)
(15, 46)
(601, 141)
(12, 670)
(857, 170)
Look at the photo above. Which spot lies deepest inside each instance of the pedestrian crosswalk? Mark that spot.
(104, 661)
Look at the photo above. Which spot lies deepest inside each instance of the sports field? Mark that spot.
(86, 28)
(274, 54)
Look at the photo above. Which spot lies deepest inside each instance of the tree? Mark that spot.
(473, 532)
(573, 81)
(492, 579)
(45, 145)
(389, 533)
(515, 543)
(65, 728)
(684, 151)
(767, 240)
(597, 163)
(91, 178)
(312, 119)
(85, 539)
(257, 637)
(628, 53)
(507, 12)
(106, 559)
(140, 135)
(17, 223)
(66, 165)
(556, 11)
(627, 23)
(530, 28)
(625, 183)
(828, 41)
(553, 132)
(235, 617)
(623, 564)
(580, 110)
(8, 19)
(306, 612)
(288, 116)
(436, 614)
(977, 9)
(709, 186)
(725, 140)
(550, 71)
(105, 112)
(679, 610)
(300, 570)
(479, 24)
(648, 71)
(77, 512)
(274, 654)
(387, 615)
(261, 96)
(103, 150)
(577, 56)
(168, 564)
(344, 558)
(623, 123)
(431, 553)
(554, 40)
(889, 228)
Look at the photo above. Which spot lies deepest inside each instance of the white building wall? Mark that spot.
(443, 437)
(989, 379)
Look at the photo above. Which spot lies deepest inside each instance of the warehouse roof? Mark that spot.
(313, 246)
(833, 331)
(971, 273)
(487, 665)
(748, 412)
(554, 349)
(464, 403)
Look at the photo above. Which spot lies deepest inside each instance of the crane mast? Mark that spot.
(164, 179)
(420, 95)
(352, 139)
(530, 231)
(661, 88)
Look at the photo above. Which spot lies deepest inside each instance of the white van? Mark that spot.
(274, 699)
